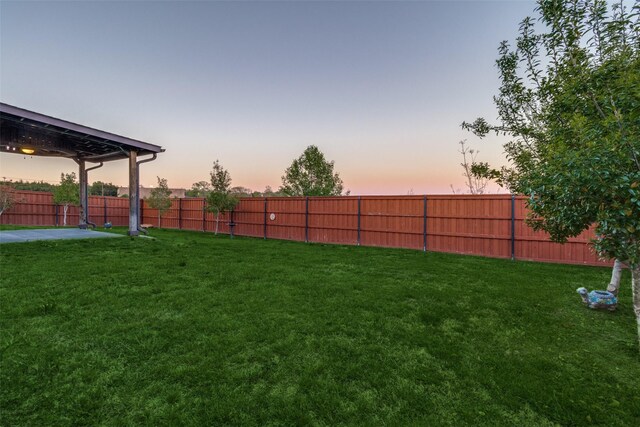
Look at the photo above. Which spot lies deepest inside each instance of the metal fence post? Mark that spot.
(104, 200)
(204, 215)
(265, 217)
(180, 213)
(306, 221)
(513, 226)
(232, 224)
(57, 220)
(424, 227)
(359, 214)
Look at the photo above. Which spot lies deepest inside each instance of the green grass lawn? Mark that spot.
(190, 329)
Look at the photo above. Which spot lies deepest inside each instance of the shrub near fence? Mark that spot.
(487, 225)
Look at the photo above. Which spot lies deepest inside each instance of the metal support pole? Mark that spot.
(180, 213)
(57, 217)
(513, 227)
(265, 217)
(138, 201)
(306, 220)
(84, 194)
(424, 227)
(87, 220)
(134, 197)
(104, 200)
(359, 214)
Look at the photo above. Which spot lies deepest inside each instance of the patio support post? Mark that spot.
(84, 194)
(138, 201)
(133, 193)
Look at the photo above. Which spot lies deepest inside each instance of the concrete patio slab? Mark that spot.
(16, 236)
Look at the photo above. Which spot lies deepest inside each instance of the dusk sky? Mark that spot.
(380, 87)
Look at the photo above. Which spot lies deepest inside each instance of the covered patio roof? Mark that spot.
(22, 131)
(29, 133)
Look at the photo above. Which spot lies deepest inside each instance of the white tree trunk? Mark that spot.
(64, 216)
(616, 275)
(635, 287)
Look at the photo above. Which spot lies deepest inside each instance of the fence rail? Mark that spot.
(487, 225)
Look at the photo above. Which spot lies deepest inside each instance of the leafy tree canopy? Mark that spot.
(311, 175)
(199, 189)
(100, 188)
(7, 198)
(220, 178)
(221, 202)
(220, 199)
(570, 100)
(160, 197)
(68, 191)
(30, 185)
(240, 191)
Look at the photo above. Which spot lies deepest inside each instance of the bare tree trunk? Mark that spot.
(635, 287)
(217, 221)
(616, 275)
(159, 219)
(64, 216)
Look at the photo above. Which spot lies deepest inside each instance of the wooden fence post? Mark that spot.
(265, 217)
(104, 201)
(359, 210)
(424, 228)
(306, 221)
(513, 226)
(204, 215)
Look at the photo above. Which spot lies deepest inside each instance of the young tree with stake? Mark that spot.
(159, 198)
(220, 199)
(67, 193)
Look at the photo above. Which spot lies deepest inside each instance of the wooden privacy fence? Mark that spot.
(37, 208)
(487, 225)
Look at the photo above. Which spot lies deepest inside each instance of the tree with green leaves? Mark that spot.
(570, 101)
(7, 198)
(67, 193)
(240, 191)
(160, 198)
(100, 188)
(311, 175)
(199, 189)
(29, 185)
(220, 199)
